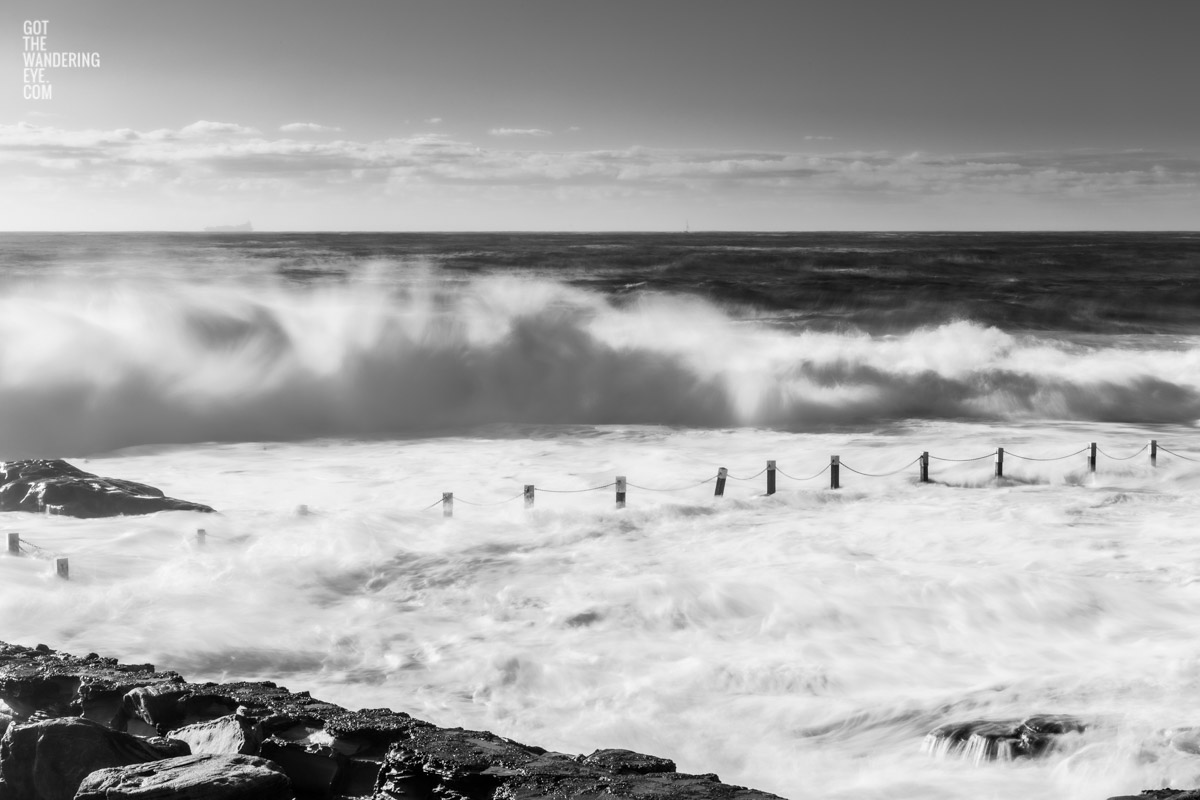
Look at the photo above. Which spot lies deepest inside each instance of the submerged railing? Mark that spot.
(23, 547)
(834, 468)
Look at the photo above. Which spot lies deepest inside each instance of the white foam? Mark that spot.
(804, 643)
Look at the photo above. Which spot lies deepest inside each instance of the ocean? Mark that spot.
(322, 392)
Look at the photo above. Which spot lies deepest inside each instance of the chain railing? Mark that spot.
(18, 546)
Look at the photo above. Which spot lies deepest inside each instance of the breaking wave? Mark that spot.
(86, 369)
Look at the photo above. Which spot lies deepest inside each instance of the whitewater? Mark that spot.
(802, 643)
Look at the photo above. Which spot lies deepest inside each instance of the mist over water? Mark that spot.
(802, 643)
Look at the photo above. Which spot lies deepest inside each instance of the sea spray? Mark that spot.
(88, 368)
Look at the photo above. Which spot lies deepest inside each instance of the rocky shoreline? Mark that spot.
(90, 728)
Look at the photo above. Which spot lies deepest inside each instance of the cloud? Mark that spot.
(434, 120)
(213, 159)
(519, 132)
(207, 128)
(308, 127)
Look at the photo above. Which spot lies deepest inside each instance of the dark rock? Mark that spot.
(277, 708)
(56, 487)
(195, 777)
(39, 679)
(1003, 740)
(471, 763)
(627, 762)
(312, 768)
(1162, 794)
(369, 732)
(582, 785)
(453, 763)
(374, 724)
(166, 706)
(1039, 734)
(48, 760)
(328, 751)
(359, 777)
(583, 619)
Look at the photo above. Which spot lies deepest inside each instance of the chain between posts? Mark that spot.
(752, 477)
(809, 478)
(1056, 458)
(679, 489)
(495, 503)
(881, 474)
(1177, 455)
(963, 460)
(576, 491)
(1124, 458)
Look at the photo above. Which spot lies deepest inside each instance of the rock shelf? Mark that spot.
(90, 727)
(52, 486)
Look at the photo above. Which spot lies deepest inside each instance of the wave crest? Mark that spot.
(89, 369)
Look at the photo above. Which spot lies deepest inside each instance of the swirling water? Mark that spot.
(803, 643)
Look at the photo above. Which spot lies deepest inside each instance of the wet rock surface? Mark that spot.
(236, 734)
(56, 487)
(195, 777)
(1002, 740)
(324, 750)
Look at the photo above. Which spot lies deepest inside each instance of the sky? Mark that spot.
(601, 115)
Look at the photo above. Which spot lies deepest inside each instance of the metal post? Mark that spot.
(770, 477)
(447, 504)
(1092, 457)
(1154, 452)
(720, 490)
(620, 491)
(835, 468)
(999, 462)
(925, 467)
(529, 495)
(14, 544)
(62, 568)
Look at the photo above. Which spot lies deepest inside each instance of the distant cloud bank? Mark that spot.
(221, 159)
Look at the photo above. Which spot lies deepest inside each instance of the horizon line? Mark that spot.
(623, 231)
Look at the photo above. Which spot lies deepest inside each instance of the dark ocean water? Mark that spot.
(879, 282)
